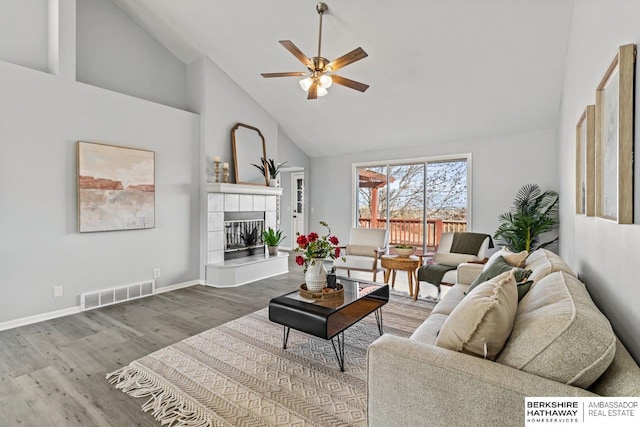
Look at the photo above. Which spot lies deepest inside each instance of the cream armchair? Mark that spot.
(366, 246)
(444, 257)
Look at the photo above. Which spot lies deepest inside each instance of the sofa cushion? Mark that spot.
(361, 250)
(481, 323)
(450, 258)
(543, 262)
(559, 333)
(451, 299)
(428, 331)
(356, 262)
(497, 267)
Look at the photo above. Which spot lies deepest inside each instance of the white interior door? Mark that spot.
(297, 202)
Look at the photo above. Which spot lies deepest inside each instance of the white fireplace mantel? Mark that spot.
(224, 197)
(220, 187)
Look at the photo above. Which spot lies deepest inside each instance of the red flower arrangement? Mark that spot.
(314, 246)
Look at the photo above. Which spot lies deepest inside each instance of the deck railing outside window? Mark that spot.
(409, 231)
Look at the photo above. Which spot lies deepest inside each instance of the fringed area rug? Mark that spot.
(237, 374)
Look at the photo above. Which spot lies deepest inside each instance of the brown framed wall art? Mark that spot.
(614, 138)
(116, 188)
(585, 162)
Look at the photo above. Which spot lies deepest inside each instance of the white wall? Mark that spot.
(113, 52)
(603, 253)
(24, 33)
(500, 166)
(294, 157)
(41, 117)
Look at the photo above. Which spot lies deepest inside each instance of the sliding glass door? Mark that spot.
(415, 200)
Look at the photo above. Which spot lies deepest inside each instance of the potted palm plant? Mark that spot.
(533, 212)
(270, 169)
(272, 238)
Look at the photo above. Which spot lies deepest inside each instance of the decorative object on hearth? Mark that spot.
(216, 169)
(225, 172)
(270, 170)
(272, 238)
(533, 213)
(250, 239)
(614, 138)
(315, 249)
(320, 75)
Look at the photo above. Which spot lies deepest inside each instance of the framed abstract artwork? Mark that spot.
(614, 138)
(585, 162)
(116, 188)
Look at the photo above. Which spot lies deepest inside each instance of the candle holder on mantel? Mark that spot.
(225, 172)
(216, 170)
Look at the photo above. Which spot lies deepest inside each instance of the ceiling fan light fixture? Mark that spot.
(317, 79)
(306, 83)
(326, 81)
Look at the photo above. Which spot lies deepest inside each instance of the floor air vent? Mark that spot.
(91, 300)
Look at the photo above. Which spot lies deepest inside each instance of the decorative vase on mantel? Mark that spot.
(316, 276)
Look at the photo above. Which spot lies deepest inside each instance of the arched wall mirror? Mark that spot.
(248, 149)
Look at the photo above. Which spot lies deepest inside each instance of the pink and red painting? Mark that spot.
(116, 188)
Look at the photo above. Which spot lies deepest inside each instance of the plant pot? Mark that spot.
(273, 182)
(273, 250)
(316, 276)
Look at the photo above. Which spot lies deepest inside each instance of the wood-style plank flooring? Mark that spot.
(53, 373)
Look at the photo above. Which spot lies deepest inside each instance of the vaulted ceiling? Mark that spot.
(439, 70)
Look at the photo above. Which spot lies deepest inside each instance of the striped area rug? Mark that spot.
(237, 374)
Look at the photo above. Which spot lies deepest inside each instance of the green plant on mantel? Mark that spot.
(269, 168)
(533, 212)
(272, 237)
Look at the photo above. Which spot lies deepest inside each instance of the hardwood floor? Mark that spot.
(53, 373)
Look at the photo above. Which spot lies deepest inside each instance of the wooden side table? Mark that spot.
(392, 263)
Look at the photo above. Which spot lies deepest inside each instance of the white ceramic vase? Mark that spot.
(316, 275)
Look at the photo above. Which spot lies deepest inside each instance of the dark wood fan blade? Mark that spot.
(351, 57)
(313, 91)
(288, 44)
(349, 83)
(291, 74)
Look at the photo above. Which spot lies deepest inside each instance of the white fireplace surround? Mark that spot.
(223, 198)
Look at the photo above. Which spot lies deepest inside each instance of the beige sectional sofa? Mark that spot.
(560, 345)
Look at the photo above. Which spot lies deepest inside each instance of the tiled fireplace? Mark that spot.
(237, 214)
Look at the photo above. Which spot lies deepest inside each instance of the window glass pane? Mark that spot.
(406, 204)
(446, 184)
(372, 197)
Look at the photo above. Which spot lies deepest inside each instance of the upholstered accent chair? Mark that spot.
(446, 259)
(363, 252)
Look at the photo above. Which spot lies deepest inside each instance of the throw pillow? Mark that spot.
(516, 259)
(452, 259)
(499, 266)
(523, 288)
(481, 323)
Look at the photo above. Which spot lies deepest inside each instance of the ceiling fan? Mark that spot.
(320, 75)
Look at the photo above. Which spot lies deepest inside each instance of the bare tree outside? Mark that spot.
(405, 196)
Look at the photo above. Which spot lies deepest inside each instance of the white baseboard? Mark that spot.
(178, 286)
(38, 318)
(10, 324)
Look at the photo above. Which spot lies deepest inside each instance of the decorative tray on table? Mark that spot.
(327, 294)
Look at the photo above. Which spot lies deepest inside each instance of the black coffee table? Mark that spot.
(329, 320)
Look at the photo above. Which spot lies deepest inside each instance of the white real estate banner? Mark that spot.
(582, 411)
